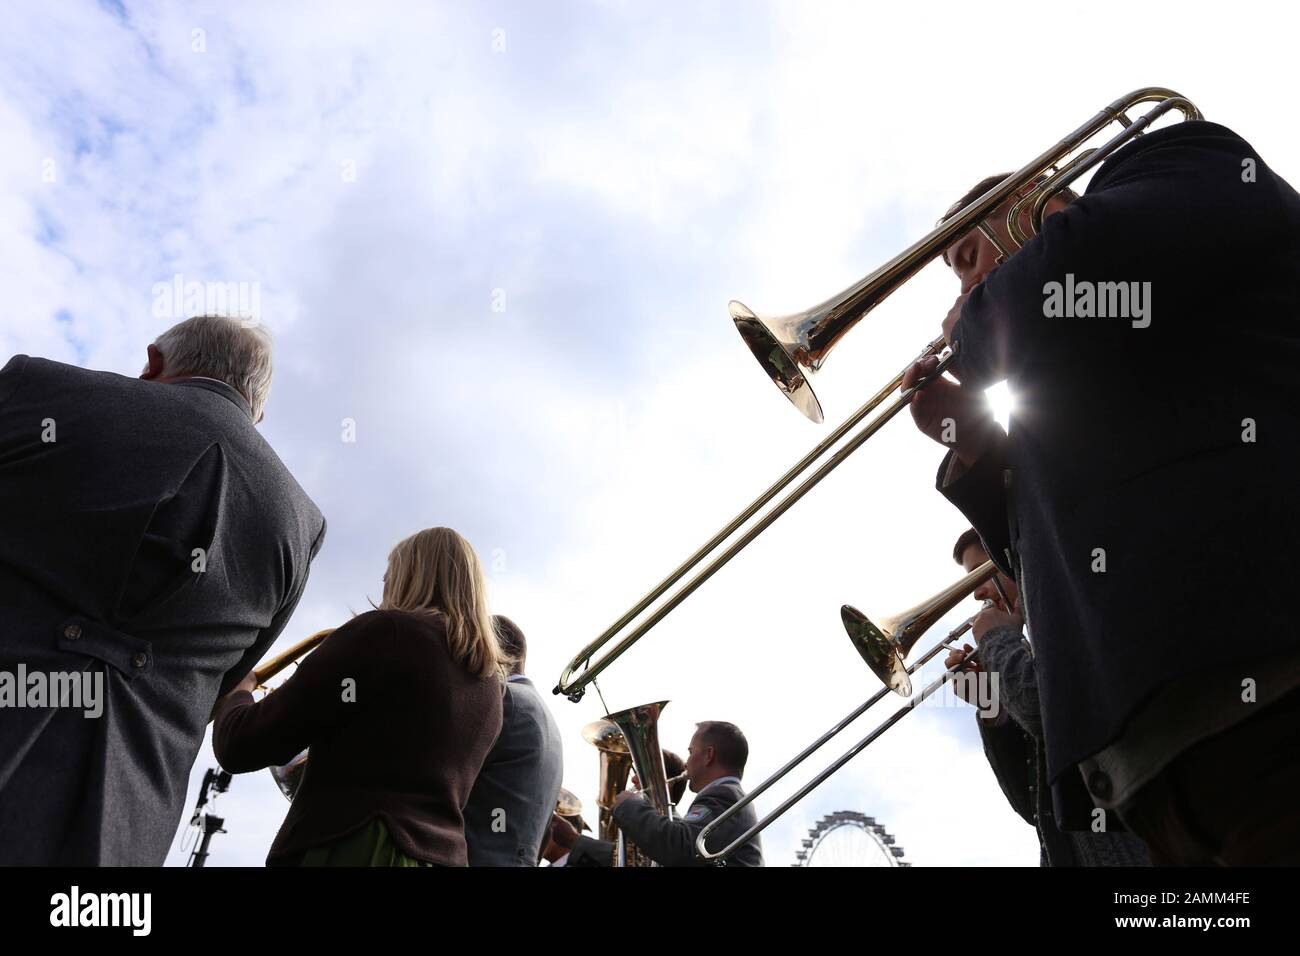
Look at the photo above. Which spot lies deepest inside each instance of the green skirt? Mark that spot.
(369, 846)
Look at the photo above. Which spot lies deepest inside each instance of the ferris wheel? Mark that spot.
(848, 838)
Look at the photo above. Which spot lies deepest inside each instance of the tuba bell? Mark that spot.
(629, 741)
(615, 766)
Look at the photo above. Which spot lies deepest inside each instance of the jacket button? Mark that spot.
(139, 659)
(72, 632)
(1099, 784)
(1006, 478)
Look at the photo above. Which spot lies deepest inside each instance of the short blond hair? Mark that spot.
(437, 570)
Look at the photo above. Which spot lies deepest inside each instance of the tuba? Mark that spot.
(629, 740)
(615, 766)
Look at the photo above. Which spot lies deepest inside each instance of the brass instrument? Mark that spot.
(289, 776)
(886, 643)
(615, 767)
(787, 345)
(265, 672)
(567, 805)
(629, 740)
(884, 646)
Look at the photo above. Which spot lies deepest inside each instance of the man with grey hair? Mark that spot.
(153, 540)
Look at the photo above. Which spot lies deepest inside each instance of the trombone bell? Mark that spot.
(777, 343)
(884, 646)
(878, 649)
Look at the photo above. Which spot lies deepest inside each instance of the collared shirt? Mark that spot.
(515, 677)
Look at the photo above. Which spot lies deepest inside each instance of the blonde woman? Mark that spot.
(399, 706)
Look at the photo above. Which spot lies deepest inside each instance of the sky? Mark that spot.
(495, 243)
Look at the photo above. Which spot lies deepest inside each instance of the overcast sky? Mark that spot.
(501, 237)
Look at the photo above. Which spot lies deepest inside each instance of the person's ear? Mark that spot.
(155, 367)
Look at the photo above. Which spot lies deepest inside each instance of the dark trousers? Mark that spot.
(1231, 799)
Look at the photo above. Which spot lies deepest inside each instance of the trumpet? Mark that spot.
(790, 348)
(911, 624)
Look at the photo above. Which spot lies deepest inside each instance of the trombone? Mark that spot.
(787, 345)
(897, 636)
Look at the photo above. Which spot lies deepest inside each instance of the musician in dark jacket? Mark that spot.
(1144, 494)
(715, 763)
(153, 545)
(399, 708)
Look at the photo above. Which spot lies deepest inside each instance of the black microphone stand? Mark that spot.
(218, 782)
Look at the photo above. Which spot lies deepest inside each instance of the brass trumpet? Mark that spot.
(787, 346)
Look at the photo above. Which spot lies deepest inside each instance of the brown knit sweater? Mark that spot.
(405, 742)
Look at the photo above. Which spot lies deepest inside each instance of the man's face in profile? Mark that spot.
(973, 257)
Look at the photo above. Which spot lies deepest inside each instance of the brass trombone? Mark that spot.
(888, 642)
(884, 646)
(787, 345)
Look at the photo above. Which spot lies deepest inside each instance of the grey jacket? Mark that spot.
(151, 539)
(510, 807)
(672, 842)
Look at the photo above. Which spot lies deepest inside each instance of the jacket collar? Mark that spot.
(719, 782)
(227, 392)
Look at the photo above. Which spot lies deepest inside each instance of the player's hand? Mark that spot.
(960, 687)
(949, 414)
(991, 617)
(564, 833)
